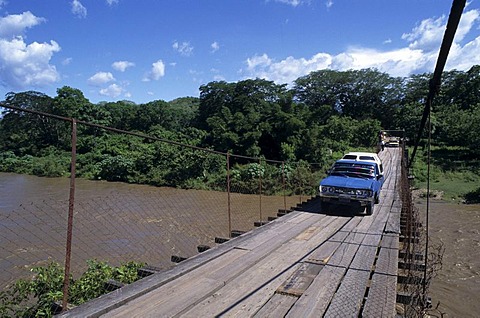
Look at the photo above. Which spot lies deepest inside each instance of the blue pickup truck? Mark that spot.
(352, 182)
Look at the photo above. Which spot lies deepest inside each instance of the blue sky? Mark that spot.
(145, 50)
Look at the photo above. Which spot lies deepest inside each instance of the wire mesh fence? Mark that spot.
(71, 221)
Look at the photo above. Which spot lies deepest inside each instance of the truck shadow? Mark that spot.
(314, 206)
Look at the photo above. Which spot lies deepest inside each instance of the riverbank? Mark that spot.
(456, 288)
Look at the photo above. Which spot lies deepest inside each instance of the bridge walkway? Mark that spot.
(304, 264)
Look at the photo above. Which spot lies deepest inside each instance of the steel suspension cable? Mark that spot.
(434, 87)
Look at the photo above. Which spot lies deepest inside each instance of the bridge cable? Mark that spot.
(434, 87)
(434, 84)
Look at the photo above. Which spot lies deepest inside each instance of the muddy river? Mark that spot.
(456, 289)
(117, 222)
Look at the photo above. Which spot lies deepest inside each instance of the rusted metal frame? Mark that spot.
(284, 187)
(260, 189)
(71, 203)
(229, 213)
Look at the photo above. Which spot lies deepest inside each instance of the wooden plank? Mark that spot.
(282, 230)
(393, 223)
(352, 223)
(244, 295)
(179, 294)
(248, 292)
(348, 299)
(390, 241)
(300, 280)
(372, 239)
(381, 297)
(354, 238)
(378, 225)
(315, 300)
(364, 258)
(277, 306)
(367, 221)
(343, 255)
(387, 262)
(339, 236)
(323, 253)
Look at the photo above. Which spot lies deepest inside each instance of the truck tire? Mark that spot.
(369, 209)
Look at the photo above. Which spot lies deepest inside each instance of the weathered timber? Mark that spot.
(147, 270)
(236, 233)
(303, 264)
(221, 240)
(177, 259)
(203, 248)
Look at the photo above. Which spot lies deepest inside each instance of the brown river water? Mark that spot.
(456, 289)
(120, 222)
(116, 222)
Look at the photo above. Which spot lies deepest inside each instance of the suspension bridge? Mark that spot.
(305, 263)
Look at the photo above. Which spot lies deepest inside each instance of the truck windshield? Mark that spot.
(354, 170)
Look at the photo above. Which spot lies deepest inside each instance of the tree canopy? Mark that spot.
(323, 112)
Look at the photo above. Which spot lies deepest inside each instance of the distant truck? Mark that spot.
(351, 182)
(392, 142)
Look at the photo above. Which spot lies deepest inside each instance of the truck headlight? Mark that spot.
(366, 193)
(325, 189)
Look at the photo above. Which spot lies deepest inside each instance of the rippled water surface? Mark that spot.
(116, 222)
(457, 286)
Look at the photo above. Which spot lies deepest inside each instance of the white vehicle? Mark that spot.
(393, 142)
(364, 156)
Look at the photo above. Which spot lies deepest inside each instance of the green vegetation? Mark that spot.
(323, 115)
(35, 297)
(454, 173)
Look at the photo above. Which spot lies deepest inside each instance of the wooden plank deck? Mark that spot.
(303, 264)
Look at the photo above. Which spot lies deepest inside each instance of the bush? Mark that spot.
(473, 197)
(34, 297)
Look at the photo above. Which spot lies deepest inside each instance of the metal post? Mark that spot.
(228, 196)
(283, 185)
(260, 188)
(71, 201)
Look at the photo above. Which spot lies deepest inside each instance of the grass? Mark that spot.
(454, 171)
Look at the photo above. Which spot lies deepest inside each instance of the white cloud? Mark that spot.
(287, 70)
(67, 61)
(101, 78)
(215, 46)
(112, 91)
(426, 36)
(157, 71)
(183, 48)
(420, 55)
(122, 65)
(293, 3)
(78, 9)
(25, 65)
(466, 23)
(112, 2)
(15, 24)
(329, 4)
